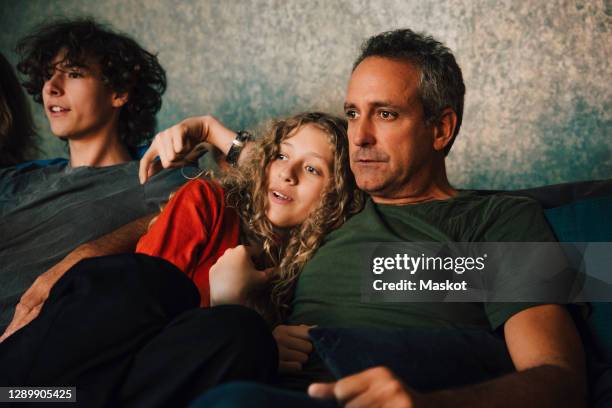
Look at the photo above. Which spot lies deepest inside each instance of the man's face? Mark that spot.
(77, 103)
(390, 144)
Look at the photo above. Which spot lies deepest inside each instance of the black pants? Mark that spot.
(126, 330)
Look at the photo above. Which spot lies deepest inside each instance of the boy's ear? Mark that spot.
(120, 99)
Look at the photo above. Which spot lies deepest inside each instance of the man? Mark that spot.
(101, 92)
(404, 105)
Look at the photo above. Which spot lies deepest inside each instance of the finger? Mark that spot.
(26, 320)
(321, 390)
(21, 311)
(369, 398)
(299, 331)
(289, 366)
(20, 319)
(378, 393)
(159, 144)
(251, 250)
(295, 343)
(196, 152)
(268, 273)
(155, 168)
(350, 387)
(177, 136)
(286, 354)
(166, 150)
(262, 277)
(145, 162)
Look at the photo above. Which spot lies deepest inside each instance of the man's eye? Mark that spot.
(387, 114)
(312, 170)
(74, 74)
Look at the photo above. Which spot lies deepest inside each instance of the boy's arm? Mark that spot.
(121, 240)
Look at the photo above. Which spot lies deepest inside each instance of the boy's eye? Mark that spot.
(74, 74)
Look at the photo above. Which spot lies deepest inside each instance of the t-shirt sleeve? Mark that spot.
(161, 185)
(515, 219)
(183, 228)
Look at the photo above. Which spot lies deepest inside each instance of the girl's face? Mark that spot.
(298, 176)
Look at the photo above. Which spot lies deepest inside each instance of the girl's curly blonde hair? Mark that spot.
(246, 190)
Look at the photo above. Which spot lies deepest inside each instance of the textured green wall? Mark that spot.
(537, 72)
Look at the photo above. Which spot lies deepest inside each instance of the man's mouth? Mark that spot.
(367, 161)
(368, 157)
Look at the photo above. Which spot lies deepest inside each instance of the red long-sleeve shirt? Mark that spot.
(193, 231)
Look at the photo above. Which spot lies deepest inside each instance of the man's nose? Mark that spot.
(361, 132)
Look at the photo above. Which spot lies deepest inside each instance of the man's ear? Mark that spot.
(444, 129)
(119, 99)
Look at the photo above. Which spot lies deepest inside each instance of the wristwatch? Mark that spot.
(237, 145)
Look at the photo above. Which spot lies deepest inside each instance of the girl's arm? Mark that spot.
(182, 143)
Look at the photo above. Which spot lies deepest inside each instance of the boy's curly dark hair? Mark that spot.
(125, 67)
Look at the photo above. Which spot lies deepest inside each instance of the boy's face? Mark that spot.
(77, 102)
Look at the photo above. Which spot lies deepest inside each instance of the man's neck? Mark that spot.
(420, 191)
(98, 151)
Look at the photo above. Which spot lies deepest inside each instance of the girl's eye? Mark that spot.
(350, 114)
(281, 156)
(312, 170)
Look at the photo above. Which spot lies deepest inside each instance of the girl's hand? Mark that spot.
(234, 276)
(184, 143)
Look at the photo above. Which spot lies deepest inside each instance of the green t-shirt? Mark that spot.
(328, 292)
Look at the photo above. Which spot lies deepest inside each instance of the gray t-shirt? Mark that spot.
(46, 212)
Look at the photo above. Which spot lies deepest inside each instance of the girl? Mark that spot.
(295, 187)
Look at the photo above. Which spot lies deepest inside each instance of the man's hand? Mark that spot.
(294, 346)
(234, 276)
(376, 387)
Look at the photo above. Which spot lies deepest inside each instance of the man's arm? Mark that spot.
(546, 351)
(121, 240)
